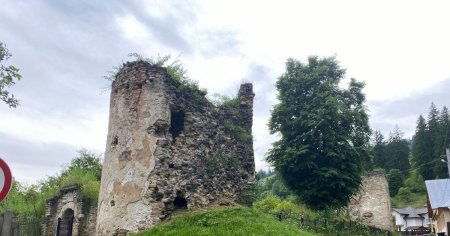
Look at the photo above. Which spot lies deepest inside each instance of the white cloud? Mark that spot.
(132, 29)
(89, 131)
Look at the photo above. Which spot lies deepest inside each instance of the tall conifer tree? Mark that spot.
(420, 150)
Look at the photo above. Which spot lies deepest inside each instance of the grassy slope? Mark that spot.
(226, 221)
(418, 200)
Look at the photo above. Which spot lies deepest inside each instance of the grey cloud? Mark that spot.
(264, 86)
(218, 42)
(38, 158)
(405, 111)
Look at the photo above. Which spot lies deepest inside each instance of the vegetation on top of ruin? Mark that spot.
(178, 72)
(239, 132)
(175, 69)
(226, 221)
(220, 100)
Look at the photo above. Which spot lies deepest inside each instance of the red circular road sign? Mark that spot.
(5, 179)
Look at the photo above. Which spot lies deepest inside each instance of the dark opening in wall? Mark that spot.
(115, 140)
(179, 203)
(176, 123)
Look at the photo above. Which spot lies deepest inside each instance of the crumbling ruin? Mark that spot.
(69, 213)
(372, 205)
(169, 148)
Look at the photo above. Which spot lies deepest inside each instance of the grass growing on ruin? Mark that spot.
(220, 100)
(175, 69)
(238, 131)
(226, 221)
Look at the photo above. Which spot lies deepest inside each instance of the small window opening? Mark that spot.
(180, 203)
(176, 123)
(115, 140)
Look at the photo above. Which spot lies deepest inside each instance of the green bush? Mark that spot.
(274, 205)
(88, 182)
(268, 204)
(415, 182)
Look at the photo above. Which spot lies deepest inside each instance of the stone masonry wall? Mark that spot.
(69, 199)
(372, 204)
(169, 148)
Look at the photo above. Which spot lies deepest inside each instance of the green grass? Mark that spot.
(226, 221)
(416, 200)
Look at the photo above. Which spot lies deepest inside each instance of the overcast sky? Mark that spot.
(401, 49)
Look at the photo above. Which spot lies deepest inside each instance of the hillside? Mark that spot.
(226, 221)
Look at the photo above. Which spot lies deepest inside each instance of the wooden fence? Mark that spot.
(335, 227)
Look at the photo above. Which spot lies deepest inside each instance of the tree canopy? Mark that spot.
(430, 140)
(8, 77)
(324, 132)
(393, 153)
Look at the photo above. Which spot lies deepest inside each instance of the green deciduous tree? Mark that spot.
(395, 179)
(324, 132)
(8, 77)
(88, 162)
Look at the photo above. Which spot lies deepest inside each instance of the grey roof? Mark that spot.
(438, 192)
(411, 212)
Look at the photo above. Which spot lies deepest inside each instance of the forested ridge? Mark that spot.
(409, 162)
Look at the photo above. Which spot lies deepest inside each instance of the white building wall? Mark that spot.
(399, 221)
(414, 222)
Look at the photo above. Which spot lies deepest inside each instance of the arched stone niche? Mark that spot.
(69, 214)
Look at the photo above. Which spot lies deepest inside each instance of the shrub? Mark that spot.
(274, 205)
(174, 68)
(87, 181)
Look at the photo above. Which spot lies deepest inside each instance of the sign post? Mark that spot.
(5, 180)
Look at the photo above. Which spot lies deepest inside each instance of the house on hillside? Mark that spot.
(438, 204)
(410, 219)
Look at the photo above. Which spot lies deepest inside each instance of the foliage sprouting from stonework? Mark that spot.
(220, 100)
(237, 131)
(175, 69)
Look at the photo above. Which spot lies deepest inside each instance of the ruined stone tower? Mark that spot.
(169, 148)
(372, 204)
